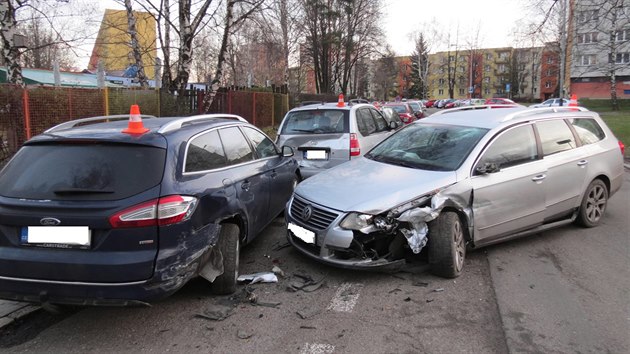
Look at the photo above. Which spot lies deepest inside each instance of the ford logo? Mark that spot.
(50, 222)
(307, 213)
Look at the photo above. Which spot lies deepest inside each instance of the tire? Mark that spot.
(447, 245)
(593, 204)
(229, 245)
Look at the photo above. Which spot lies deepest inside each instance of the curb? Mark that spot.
(11, 311)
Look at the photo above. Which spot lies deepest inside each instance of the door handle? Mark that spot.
(245, 185)
(582, 163)
(539, 178)
(274, 174)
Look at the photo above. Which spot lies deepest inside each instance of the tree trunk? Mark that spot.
(216, 80)
(10, 53)
(135, 46)
(167, 78)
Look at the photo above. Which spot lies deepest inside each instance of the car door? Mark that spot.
(249, 178)
(566, 165)
(511, 198)
(279, 171)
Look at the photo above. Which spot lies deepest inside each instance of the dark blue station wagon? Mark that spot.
(90, 215)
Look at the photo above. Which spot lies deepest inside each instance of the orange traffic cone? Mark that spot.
(340, 102)
(573, 102)
(135, 125)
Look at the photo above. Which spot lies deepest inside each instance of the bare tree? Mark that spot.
(135, 46)
(8, 32)
(384, 74)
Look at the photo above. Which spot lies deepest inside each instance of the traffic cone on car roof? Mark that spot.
(340, 102)
(573, 102)
(135, 125)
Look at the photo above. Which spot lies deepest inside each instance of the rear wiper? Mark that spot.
(83, 191)
(303, 130)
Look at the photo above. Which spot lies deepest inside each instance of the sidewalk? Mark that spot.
(13, 310)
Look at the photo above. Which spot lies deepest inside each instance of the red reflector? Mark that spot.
(164, 211)
(355, 149)
(622, 147)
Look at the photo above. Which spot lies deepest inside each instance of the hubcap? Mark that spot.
(595, 203)
(460, 247)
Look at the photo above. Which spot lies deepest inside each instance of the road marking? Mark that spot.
(314, 348)
(346, 297)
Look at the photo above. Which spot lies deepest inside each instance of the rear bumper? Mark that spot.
(174, 266)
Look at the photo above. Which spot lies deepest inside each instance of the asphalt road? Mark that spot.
(563, 291)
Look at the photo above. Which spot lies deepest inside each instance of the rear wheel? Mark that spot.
(447, 246)
(593, 204)
(229, 245)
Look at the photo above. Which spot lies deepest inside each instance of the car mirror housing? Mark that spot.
(393, 125)
(487, 167)
(287, 151)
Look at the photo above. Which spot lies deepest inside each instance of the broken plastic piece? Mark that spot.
(264, 277)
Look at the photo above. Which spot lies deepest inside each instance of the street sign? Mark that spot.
(507, 87)
(471, 89)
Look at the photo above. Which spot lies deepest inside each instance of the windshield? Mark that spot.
(316, 121)
(433, 147)
(399, 108)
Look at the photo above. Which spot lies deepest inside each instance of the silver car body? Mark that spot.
(529, 197)
(321, 134)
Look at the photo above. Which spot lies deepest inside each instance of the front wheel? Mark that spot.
(229, 245)
(447, 245)
(593, 204)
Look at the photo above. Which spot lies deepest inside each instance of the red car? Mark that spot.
(499, 100)
(405, 112)
(429, 103)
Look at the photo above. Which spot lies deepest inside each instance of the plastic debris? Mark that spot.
(277, 271)
(264, 277)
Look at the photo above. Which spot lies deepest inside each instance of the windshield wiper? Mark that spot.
(83, 191)
(304, 130)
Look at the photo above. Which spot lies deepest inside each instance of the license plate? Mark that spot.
(56, 236)
(302, 233)
(315, 154)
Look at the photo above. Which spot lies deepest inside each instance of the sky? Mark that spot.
(494, 18)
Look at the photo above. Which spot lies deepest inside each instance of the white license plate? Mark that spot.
(302, 233)
(315, 154)
(56, 235)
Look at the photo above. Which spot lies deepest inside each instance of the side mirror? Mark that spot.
(487, 167)
(393, 125)
(287, 151)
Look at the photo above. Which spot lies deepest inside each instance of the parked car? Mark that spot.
(404, 110)
(430, 103)
(99, 211)
(499, 100)
(417, 108)
(479, 177)
(392, 117)
(327, 135)
(552, 102)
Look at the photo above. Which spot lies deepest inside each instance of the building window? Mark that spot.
(586, 16)
(547, 84)
(451, 58)
(586, 60)
(521, 67)
(620, 58)
(535, 90)
(462, 69)
(503, 55)
(486, 91)
(585, 38)
(535, 78)
(549, 73)
(623, 35)
(486, 80)
(488, 56)
(534, 56)
(486, 68)
(550, 60)
(502, 68)
(441, 81)
(461, 91)
(441, 70)
(440, 92)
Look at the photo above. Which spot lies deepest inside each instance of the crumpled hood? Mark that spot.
(369, 186)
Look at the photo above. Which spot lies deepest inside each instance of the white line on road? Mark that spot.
(346, 297)
(314, 348)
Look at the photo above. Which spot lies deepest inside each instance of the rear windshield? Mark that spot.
(317, 121)
(82, 171)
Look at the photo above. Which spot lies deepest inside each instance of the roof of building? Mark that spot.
(47, 77)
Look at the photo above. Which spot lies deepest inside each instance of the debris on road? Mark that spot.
(263, 277)
(305, 283)
(420, 283)
(438, 290)
(216, 313)
(307, 312)
(277, 271)
(243, 334)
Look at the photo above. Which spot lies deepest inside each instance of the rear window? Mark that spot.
(82, 171)
(588, 130)
(318, 121)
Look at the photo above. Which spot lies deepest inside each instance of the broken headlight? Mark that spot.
(356, 221)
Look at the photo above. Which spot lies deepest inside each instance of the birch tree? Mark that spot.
(8, 32)
(135, 46)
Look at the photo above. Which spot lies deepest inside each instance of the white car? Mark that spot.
(552, 102)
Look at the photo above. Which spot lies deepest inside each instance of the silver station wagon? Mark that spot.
(457, 180)
(328, 134)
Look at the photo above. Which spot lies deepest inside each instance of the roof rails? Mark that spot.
(543, 110)
(178, 123)
(472, 108)
(91, 120)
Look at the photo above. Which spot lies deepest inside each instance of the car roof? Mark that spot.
(330, 105)
(495, 117)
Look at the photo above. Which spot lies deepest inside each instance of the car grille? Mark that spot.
(319, 219)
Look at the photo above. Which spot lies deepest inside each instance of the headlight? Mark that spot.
(356, 221)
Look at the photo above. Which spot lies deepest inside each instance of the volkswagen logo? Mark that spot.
(50, 222)
(307, 213)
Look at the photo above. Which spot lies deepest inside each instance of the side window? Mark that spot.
(555, 136)
(263, 146)
(588, 130)
(365, 122)
(381, 123)
(514, 147)
(237, 149)
(205, 152)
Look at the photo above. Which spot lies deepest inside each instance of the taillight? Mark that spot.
(622, 147)
(355, 149)
(164, 211)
